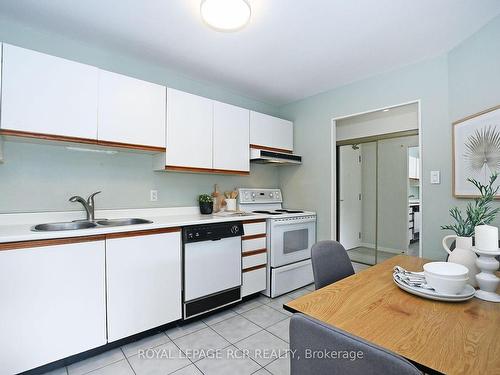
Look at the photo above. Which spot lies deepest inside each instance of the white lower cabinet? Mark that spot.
(52, 303)
(143, 282)
(253, 281)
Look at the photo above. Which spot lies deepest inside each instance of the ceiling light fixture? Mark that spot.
(386, 110)
(225, 15)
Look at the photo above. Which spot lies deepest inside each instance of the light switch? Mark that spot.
(435, 177)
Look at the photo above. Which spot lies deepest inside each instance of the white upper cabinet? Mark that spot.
(189, 130)
(271, 132)
(48, 95)
(131, 111)
(231, 145)
(414, 167)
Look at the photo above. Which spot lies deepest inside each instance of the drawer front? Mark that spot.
(254, 228)
(253, 244)
(253, 282)
(254, 260)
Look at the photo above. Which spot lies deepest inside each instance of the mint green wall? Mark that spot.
(450, 86)
(474, 70)
(41, 177)
(428, 82)
(474, 76)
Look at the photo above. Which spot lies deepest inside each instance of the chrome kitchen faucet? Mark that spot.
(88, 204)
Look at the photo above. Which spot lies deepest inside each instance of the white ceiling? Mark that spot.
(290, 50)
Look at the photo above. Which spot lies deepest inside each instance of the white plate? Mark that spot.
(466, 294)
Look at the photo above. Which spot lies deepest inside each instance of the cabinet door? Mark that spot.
(131, 111)
(189, 130)
(53, 303)
(231, 146)
(412, 167)
(48, 95)
(143, 283)
(269, 131)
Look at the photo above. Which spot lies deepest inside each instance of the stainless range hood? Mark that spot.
(273, 157)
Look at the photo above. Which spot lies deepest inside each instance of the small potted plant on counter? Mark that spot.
(206, 204)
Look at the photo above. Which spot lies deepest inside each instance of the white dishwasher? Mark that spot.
(212, 267)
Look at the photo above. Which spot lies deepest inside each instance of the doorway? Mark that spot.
(378, 185)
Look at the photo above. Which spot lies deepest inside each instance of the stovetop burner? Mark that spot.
(268, 212)
(279, 211)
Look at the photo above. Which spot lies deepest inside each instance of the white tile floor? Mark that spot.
(235, 335)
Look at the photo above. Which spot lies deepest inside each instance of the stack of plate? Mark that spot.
(425, 291)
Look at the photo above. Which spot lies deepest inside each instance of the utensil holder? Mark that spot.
(230, 204)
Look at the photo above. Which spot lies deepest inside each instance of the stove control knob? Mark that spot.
(270, 195)
(235, 229)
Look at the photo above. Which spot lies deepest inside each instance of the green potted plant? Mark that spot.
(476, 213)
(206, 203)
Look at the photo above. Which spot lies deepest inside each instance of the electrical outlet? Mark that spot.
(153, 195)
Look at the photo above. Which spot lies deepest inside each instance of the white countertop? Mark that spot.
(17, 227)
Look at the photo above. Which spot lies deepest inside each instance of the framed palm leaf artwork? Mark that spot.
(476, 151)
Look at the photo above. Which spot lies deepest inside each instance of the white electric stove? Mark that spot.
(290, 236)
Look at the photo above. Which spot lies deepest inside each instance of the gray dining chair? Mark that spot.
(330, 263)
(309, 338)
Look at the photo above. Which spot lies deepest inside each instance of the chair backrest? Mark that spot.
(311, 339)
(330, 263)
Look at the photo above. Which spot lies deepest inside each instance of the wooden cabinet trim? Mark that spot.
(145, 232)
(71, 240)
(88, 141)
(254, 221)
(131, 146)
(49, 242)
(253, 252)
(174, 168)
(266, 148)
(47, 137)
(253, 236)
(254, 268)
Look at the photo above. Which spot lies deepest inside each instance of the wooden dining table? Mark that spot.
(438, 337)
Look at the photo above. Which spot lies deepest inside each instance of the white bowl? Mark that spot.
(446, 269)
(446, 285)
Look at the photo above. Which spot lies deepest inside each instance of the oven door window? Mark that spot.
(295, 240)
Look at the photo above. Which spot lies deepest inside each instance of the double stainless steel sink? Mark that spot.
(90, 222)
(85, 224)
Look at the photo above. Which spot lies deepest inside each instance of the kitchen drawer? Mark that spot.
(251, 229)
(253, 244)
(254, 260)
(253, 281)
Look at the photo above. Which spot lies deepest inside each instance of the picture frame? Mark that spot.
(475, 151)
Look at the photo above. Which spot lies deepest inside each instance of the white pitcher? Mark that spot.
(463, 255)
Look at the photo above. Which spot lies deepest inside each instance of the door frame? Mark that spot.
(334, 188)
